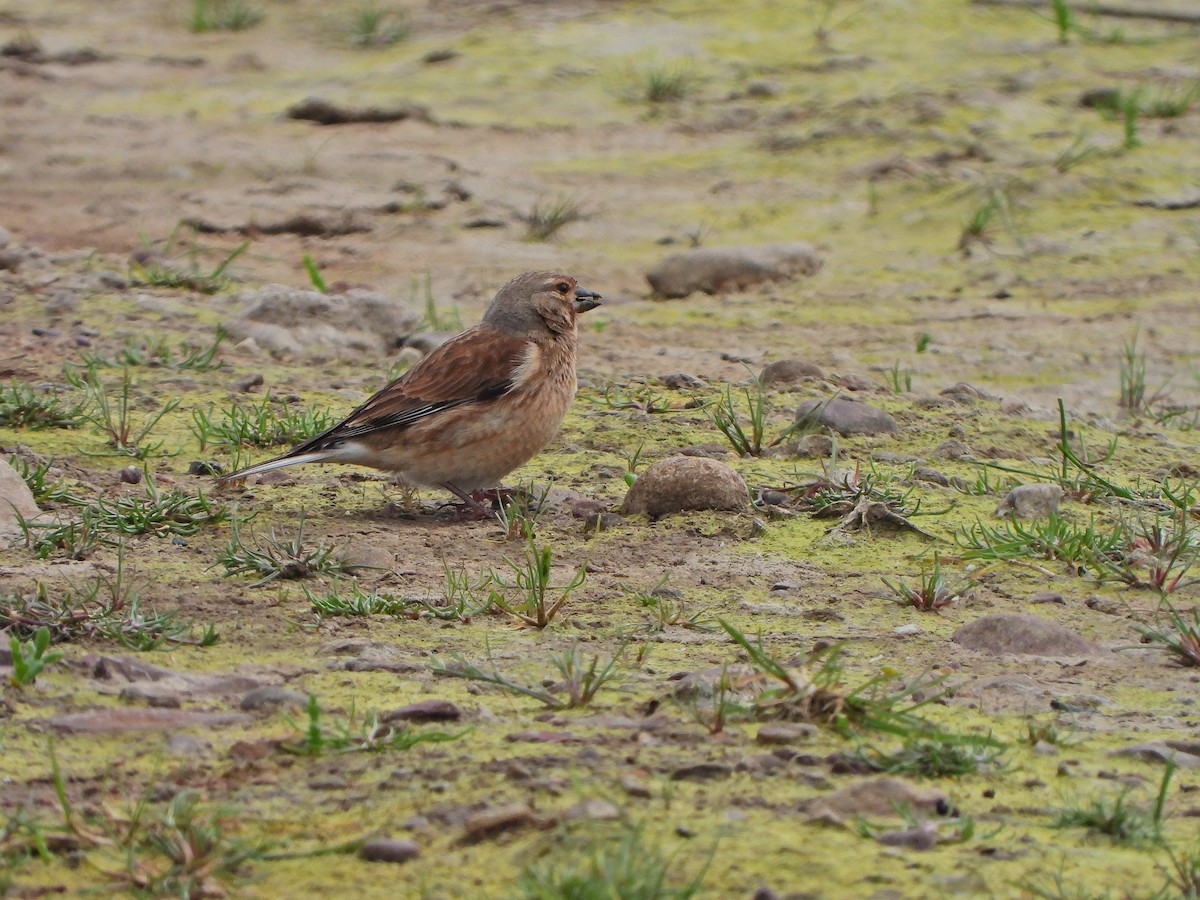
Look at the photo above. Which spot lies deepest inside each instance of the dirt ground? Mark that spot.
(997, 203)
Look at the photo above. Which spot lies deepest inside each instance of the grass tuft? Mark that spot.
(274, 556)
(548, 217)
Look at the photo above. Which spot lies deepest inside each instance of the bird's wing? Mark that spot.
(476, 366)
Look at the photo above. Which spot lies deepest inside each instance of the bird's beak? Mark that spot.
(585, 300)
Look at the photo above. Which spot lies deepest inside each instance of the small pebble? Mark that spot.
(393, 850)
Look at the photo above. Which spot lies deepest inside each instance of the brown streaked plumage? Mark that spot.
(478, 406)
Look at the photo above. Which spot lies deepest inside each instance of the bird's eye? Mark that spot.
(562, 287)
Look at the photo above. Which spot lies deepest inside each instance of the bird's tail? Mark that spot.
(288, 459)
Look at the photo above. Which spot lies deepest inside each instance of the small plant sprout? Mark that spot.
(156, 512)
(626, 867)
(373, 27)
(583, 677)
(815, 691)
(434, 318)
(259, 424)
(356, 602)
(902, 379)
(158, 352)
(112, 411)
(35, 474)
(155, 266)
(639, 397)
(539, 601)
(177, 845)
(107, 606)
(936, 757)
(30, 657)
(996, 206)
(1179, 635)
(223, 15)
(668, 84)
(1166, 547)
(924, 339)
(314, 274)
(548, 217)
(932, 590)
(1170, 101)
(1054, 538)
(520, 510)
(22, 406)
(1117, 818)
(1047, 733)
(580, 677)
(1077, 153)
(354, 735)
(1064, 20)
(744, 425)
(273, 556)
(1129, 106)
(667, 607)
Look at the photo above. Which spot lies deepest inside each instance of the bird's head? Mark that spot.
(536, 302)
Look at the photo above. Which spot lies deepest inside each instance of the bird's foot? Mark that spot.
(472, 508)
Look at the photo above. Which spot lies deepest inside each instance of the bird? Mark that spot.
(474, 409)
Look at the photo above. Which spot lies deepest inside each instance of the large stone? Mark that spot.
(114, 721)
(846, 417)
(876, 798)
(680, 483)
(16, 501)
(1030, 501)
(1016, 633)
(713, 270)
(290, 322)
(788, 371)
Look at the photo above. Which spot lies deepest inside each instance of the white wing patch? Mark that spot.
(530, 365)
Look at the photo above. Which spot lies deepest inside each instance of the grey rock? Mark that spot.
(704, 771)
(386, 849)
(854, 381)
(966, 392)
(1017, 633)
(953, 449)
(814, 446)
(930, 476)
(786, 733)
(159, 694)
(680, 483)
(592, 809)
(922, 836)
(186, 744)
(1106, 605)
(424, 711)
(290, 322)
(15, 500)
(846, 417)
(497, 819)
(788, 371)
(1030, 501)
(876, 798)
(1185, 754)
(115, 721)
(141, 680)
(272, 697)
(713, 270)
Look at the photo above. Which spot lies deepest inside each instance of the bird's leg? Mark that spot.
(471, 505)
